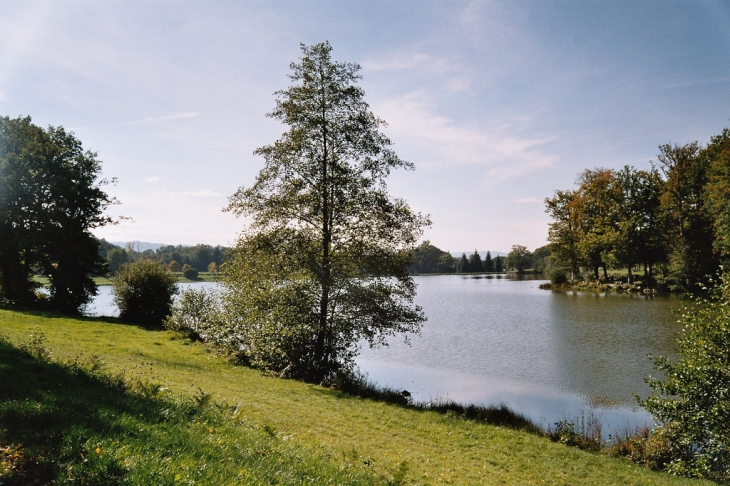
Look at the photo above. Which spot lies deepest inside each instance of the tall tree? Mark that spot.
(475, 262)
(689, 223)
(462, 265)
(323, 263)
(499, 264)
(717, 153)
(598, 193)
(637, 221)
(430, 259)
(488, 263)
(564, 232)
(519, 258)
(51, 196)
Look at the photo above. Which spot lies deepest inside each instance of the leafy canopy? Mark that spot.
(51, 197)
(323, 263)
(691, 403)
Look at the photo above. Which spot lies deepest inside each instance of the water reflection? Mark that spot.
(103, 304)
(547, 354)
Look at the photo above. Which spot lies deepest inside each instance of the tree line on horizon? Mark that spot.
(429, 259)
(671, 221)
(202, 257)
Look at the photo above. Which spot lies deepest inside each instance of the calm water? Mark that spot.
(549, 355)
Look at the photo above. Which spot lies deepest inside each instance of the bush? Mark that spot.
(196, 313)
(143, 292)
(691, 403)
(191, 273)
(559, 277)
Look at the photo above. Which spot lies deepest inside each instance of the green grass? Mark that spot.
(283, 431)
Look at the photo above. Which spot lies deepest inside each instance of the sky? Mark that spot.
(497, 103)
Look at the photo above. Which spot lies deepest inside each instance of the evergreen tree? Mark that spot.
(475, 262)
(499, 263)
(488, 263)
(463, 265)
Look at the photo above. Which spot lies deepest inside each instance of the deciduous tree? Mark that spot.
(323, 264)
(51, 197)
(519, 258)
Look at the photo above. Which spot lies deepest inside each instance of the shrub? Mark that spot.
(143, 292)
(691, 403)
(191, 273)
(559, 276)
(196, 313)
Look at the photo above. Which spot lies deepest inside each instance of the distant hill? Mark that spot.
(140, 246)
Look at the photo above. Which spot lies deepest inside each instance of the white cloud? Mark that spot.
(2, 96)
(165, 118)
(501, 148)
(403, 61)
(153, 179)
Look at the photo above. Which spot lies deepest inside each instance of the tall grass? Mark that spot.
(74, 423)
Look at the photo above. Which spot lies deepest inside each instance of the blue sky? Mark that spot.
(497, 103)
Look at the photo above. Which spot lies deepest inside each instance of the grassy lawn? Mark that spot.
(269, 431)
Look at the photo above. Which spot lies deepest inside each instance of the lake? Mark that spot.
(549, 355)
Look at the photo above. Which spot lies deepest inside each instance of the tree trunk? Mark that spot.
(320, 364)
(631, 275)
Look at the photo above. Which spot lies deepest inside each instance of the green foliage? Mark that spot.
(499, 265)
(198, 313)
(630, 217)
(429, 259)
(475, 263)
(691, 403)
(688, 221)
(488, 262)
(116, 258)
(323, 264)
(519, 258)
(51, 198)
(191, 273)
(717, 153)
(143, 292)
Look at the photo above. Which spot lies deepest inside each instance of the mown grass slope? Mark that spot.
(282, 431)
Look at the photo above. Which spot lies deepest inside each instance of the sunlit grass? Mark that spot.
(313, 430)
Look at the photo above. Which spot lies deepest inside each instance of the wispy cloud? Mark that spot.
(153, 179)
(402, 61)
(503, 149)
(191, 114)
(2, 96)
(452, 76)
(528, 200)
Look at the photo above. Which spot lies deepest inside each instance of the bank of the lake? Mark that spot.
(494, 339)
(102, 281)
(314, 433)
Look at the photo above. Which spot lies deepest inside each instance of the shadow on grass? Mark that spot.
(359, 385)
(72, 423)
(51, 314)
(49, 415)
